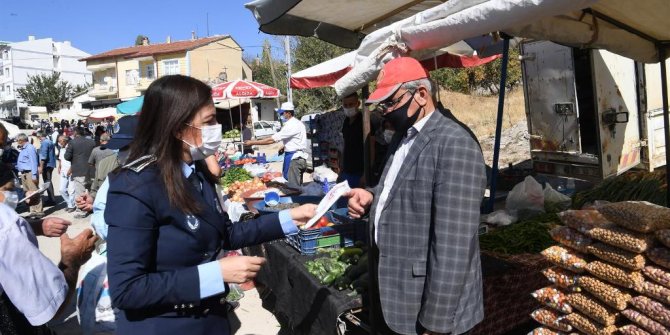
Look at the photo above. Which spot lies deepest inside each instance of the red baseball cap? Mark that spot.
(395, 73)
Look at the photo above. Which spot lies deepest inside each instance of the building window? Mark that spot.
(2, 73)
(149, 71)
(9, 89)
(131, 77)
(6, 72)
(171, 66)
(5, 55)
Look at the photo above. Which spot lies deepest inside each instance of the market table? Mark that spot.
(301, 303)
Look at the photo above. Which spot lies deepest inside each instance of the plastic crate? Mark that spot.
(344, 233)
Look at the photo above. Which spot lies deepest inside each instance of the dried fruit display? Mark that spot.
(657, 274)
(640, 216)
(588, 326)
(570, 238)
(593, 309)
(554, 298)
(623, 258)
(607, 293)
(551, 319)
(562, 278)
(615, 275)
(645, 322)
(582, 220)
(565, 258)
(622, 238)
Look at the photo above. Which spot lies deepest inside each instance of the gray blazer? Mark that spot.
(429, 269)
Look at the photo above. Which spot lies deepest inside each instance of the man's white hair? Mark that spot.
(22, 137)
(425, 82)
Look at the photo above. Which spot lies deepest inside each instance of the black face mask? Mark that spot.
(399, 119)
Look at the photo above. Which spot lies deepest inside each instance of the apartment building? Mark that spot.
(125, 73)
(18, 60)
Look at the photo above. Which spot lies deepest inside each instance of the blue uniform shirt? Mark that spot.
(48, 153)
(27, 160)
(209, 274)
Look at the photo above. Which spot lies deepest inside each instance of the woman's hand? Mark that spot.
(240, 269)
(302, 214)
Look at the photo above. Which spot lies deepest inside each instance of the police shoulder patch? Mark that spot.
(141, 163)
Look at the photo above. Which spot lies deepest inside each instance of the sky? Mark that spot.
(97, 26)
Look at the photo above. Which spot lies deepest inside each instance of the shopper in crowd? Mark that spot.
(351, 162)
(167, 225)
(78, 152)
(293, 136)
(65, 175)
(424, 213)
(47, 163)
(28, 167)
(383, 137)
(99, 152)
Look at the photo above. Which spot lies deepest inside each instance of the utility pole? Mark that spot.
(268, 52)
(287, 47)
(207, 24)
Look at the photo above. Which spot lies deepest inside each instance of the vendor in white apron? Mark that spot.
(293, 135)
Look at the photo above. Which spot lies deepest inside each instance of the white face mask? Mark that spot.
(11, 199)
(388, 135)
(349, 112)
(211, 141)
(2, 151)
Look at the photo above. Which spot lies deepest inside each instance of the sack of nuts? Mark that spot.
(632, 330)
(588, 326)
(645, 322)
(657, 274)
(652, 309)
(551, 319)
(657, 292)
(660, 256)
(593, 309)
(607, 293)
(565, 258)
(663, 236)
(640, 216)
(552, 297)
(582, 220)
(562, 278)
(622, 238)
(623, 258)
(615, 275)
(570, 238)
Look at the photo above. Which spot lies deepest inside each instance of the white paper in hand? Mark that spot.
(328, 201)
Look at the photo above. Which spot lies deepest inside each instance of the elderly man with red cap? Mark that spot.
(424, 213)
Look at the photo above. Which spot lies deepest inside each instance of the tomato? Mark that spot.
(323, 222)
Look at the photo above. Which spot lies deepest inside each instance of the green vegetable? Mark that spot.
(235, 174)
(632, 185)
(529, 236)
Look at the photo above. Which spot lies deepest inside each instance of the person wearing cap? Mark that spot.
(293, 135)
(424, 213)
(66, 184)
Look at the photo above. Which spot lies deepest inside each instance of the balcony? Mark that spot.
(102, 90)
(143, 84)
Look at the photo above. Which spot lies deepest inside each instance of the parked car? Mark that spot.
(264, 129)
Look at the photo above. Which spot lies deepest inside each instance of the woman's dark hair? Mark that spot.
(170, 103)
(6, 174)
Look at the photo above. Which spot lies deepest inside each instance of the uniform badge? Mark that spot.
(192, 222)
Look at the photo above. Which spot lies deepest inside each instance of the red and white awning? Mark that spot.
(243, 89)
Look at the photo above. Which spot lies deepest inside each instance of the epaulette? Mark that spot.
(141, 163)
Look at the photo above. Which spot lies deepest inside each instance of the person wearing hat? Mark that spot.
(293, 135)
(424, 213)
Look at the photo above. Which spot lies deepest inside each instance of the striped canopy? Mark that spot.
(243, 89)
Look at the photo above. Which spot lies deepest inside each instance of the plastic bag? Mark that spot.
(623, 258)
(657, 292)
(660, 256)
(592, 308)
(94, 304)
(587, 326)
(565, 258)
(500, 218)
(663, 236)
(645, 322)
(562, 278)
(551, 297)
(570, 238)
(550, 319)
(640, 216)
(632, 330)
(322, 173)
(526, 195)
(582, 220)
(652, 309)
(622, 238)
(555, 199)
(544, 331)
(657, 274)
(607, 293)
(615, 275)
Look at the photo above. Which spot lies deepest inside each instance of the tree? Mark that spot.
(46, 90)
(483, 79)
(139, 40)
(310, 51)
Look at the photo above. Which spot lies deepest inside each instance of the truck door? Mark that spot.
(551, 103)
(654, 116)
(616, 99)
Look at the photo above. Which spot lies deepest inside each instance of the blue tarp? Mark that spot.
(130, 107)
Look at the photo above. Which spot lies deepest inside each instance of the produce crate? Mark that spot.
(344, 233)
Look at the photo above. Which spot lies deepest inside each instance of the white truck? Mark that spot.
(591, 113)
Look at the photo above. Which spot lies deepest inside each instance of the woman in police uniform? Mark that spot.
(166, 226)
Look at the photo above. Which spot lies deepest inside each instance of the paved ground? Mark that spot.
(249, 319)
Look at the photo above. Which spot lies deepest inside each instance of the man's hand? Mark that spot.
(240, 269)
(280, 152)
(359, 202)
(54, 227)
(249, 142)
(69, 172)
(302, 214)
(84, 202)
(36, 181)
(76, 251)
(39, 170)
